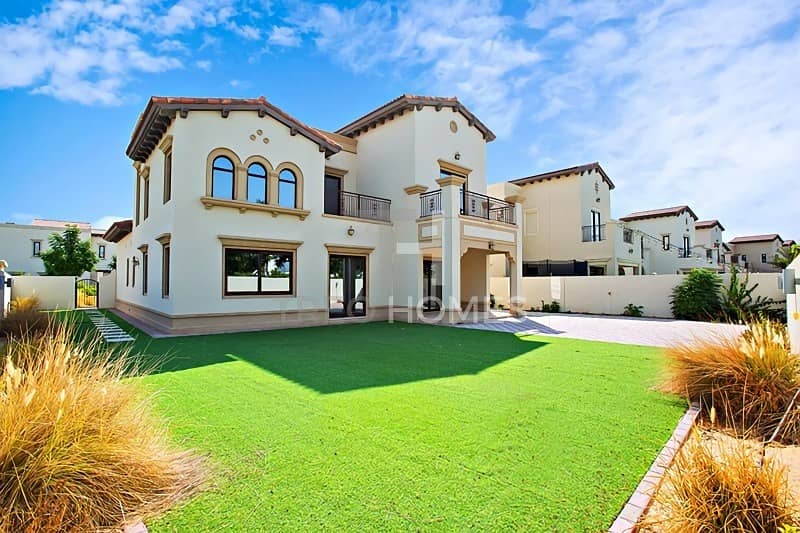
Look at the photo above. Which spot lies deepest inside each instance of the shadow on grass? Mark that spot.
(339, 358)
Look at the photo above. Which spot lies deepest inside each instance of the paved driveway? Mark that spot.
(625, 330)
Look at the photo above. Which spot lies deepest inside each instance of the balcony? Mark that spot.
(594, 233)
(356, 205)
(473, 204)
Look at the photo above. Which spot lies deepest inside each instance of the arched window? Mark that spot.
(257, 183)
(287, 188)
(222, 178)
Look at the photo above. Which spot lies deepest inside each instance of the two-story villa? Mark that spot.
(22, 245)
(247, 218)
(567, 227)
(756, 253)
(667, 239)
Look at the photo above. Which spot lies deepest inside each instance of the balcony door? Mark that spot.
(333, 189)
(348, 285)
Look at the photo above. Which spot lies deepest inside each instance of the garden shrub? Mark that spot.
(80, 447)
(24, 317)
(698, 296)
(724, 489)
(553, 307)
(633, 310)
(738, 304)
(749, 381)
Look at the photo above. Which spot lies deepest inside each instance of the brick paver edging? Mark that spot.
(638, 503)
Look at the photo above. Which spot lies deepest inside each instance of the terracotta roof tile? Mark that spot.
(756, 238)
(657, 213)
(160, 111)
(555, 174)
(408, 102)
(706, 224)
(118, 230)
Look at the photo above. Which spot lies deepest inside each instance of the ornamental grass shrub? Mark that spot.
(80, 446)
(749, 380)
(24, 318)
(727, 488)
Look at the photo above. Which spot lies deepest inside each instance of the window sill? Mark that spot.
(243, 207)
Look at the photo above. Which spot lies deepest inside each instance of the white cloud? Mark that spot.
(283, 36)
(464, 47)
(245, 31)
(203, 65)
(690, 102)
(105, 222)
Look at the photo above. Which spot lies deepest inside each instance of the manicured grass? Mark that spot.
(406, 427)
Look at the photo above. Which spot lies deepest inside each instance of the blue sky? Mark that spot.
(682, 101)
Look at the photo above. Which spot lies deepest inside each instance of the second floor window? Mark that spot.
(257, 183)
(101, 251)
(287, 188)
(763, 258)
(744, 258)
(627, 235)
(222, 178)
(686, 246)
(146, 207)
(37, 248)
(167, 176)
(665, 242)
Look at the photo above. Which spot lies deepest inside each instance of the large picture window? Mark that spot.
(222, 178)
(258, 272)
(257, 183)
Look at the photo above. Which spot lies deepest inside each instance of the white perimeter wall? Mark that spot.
(608, 295)
(58, 292)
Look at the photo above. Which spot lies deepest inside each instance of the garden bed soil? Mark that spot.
(787, 456)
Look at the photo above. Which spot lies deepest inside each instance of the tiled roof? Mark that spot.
(409, 102)
(160, 111)
(658, 213)
(118, 230)
(756, 238)
(789, 242)
(60, 223)
(707, 224)
(555, 174)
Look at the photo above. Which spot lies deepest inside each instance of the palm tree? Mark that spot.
(786, 255)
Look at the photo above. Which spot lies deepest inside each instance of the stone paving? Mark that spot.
(108, 329)
(624, 330)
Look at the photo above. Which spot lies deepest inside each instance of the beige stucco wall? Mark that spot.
(610, 294)
(54, 292)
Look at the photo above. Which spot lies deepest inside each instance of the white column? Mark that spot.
(793, 308)
(451, 247)
(517, 300)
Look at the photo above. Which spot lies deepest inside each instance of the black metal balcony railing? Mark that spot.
(478, 205)
(364, 206)
(430, 203)
(594, 233)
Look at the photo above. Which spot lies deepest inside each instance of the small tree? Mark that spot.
(68, 254)
(698, 296)
(786, 255)
(738, 303)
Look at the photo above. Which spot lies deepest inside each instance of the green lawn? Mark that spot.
(409, 427)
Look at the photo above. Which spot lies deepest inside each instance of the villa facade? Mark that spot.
(246, 218)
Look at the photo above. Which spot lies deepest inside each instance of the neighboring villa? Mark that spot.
(567, 228)
(709, 242)
(246, 218)
(668, 240)
(756, 253)
(21, 245)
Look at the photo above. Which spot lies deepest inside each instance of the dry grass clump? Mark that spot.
(748, 381)
(24, 318)
(80, 447)
(723, 489)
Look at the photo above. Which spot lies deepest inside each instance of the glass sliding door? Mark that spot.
(431, 285)
(348, 285)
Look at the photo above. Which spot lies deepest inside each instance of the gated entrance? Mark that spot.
(87, 293)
